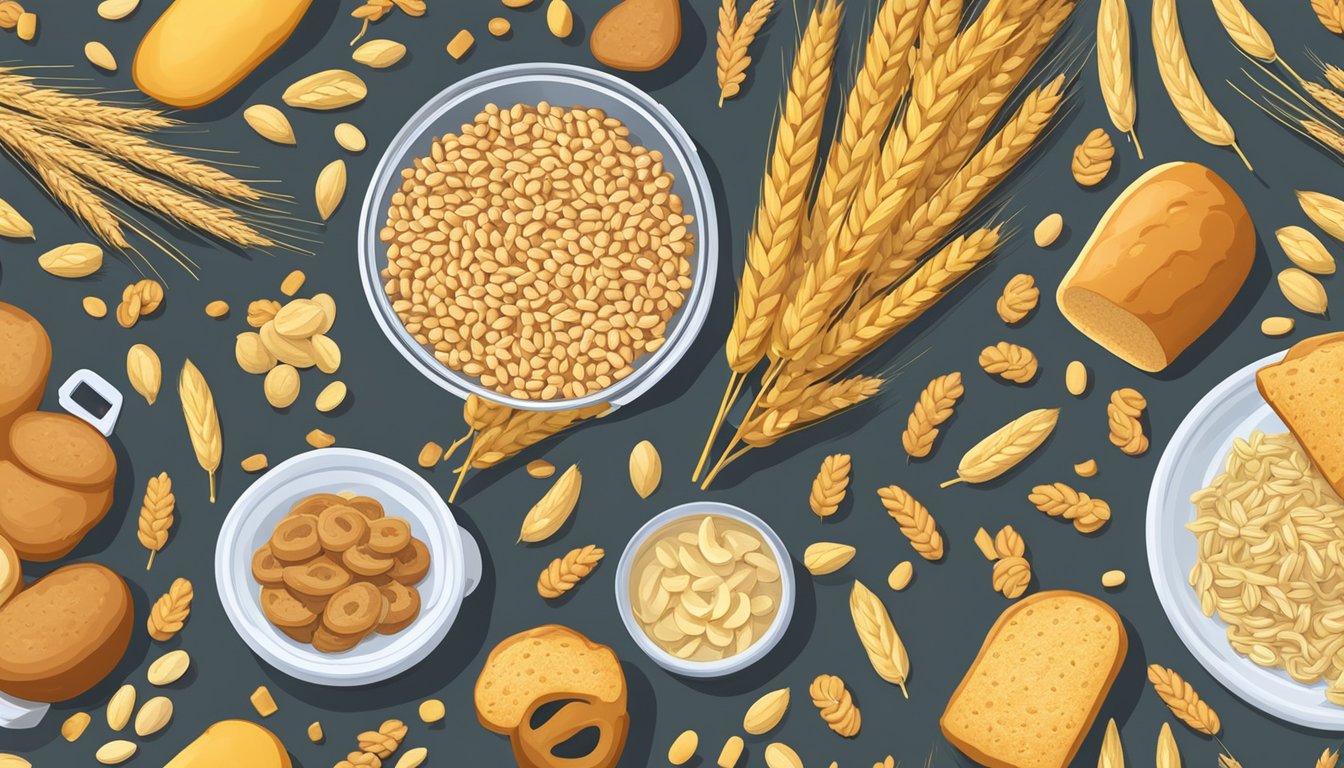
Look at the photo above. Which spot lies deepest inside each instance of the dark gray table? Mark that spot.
(942, 616)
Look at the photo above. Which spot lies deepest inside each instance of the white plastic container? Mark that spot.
(737, 662)
(454, 571)
(650, 124)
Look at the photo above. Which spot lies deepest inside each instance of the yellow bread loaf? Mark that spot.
(1162, 265)
(1306, 389)
(233, 744)
(1036, 686)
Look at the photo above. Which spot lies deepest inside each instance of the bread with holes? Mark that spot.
(1306, 390)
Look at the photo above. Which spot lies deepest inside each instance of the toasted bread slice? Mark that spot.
(1306, 389)
(1032, 693)
(545, 664)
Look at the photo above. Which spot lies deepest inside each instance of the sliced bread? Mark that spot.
(548, 663)
(1306, 389)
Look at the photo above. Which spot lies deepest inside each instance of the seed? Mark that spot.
(328, 307)
(1075, 378)
(13, 761)
(1113, 579)
(379, 54)
(99, 56)
(516, 3)
(74, 726)
(540, 468)
(330, 188)
(430, 455)
(261, 312)
(73, 260)
(900, 576)
(683, 749)
(460, 44)
(281, 386)
(1303, 291)
(255, 463)
(120, 706)
(116, 10)
(731, 752)
(1277, 326)
(319, 439)
(299, 319)
(144, 371)
(217, 309)
(1086, 469)
(826, 557)
(168, 668)
(94, 306)
(779, 755)
(499, 26)
(326, 355)
(559, 18)
(292, 283)
(315, 734)
(766, 712)
(329, 89)
(153, 716)
(331, 397)
(412, 758)
(350, 138)
(115, 752)
(431, 710)
(252, 354)
(1048, 230)
(26, 28)
(263, 702)
(646, 468)
(269, 123)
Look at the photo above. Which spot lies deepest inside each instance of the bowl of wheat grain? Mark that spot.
(541, 236)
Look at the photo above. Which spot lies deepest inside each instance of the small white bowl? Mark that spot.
(737, 662)
(454, 571)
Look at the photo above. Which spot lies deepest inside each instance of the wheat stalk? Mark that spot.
(1006, 447)
(19, 92)
(1168, 754)
(734, 42)
(170, 611)
(934, 407)
(501, 437)
(917, 525)
(564, 573)
(1324, 134)
(878, 635)
(830, 485)
(795, 409)
(74, 194)
(1181, 698)
(156, 515)
(198, 409)
(1330, 13)
(1325, 97)
(1115, 69)
(1182, 84)
(1248, 34)
(1327, 212)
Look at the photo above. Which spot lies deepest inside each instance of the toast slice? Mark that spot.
(1036, 686)
(1306, 389)
(548, 663)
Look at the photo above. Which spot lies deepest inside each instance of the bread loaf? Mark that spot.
(233, 744)
(25, 361)
(1162, 265)
(1036, 686)
(64, 633)
(1306, 389)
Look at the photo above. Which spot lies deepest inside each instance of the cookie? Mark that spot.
(637, 35)
(284, 609)
(268, 571)
(340, 527)
(370, 508)
(402, 609)
(389, 535)
(355, 610)
(362, 561)
(317, 578)
(295, 539)
(411, 564)
(313, 505)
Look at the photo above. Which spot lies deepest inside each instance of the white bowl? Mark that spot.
(1194, 457)
(455, 564)
(737, 662)
(650, 124)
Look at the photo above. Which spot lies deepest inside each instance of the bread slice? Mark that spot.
(1306, 389)
(1036, 686)
(545, 664)
(25, 361)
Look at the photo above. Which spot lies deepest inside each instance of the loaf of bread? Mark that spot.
(25, 361)
(11, 571)
(64, 633)
(1306, 389)
(233, 744)
(1036, 686)
(1162, 265)
(637, 35)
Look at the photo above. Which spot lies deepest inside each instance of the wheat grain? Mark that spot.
(1327, 212)
(830, 485)
(878, 635)
(1115, 69)
(783, 204)
(934, 407)
(553, 509)
(1011, 362)
(1305, 250)
(1007, 447)
(1182, 84)
(835, 705)
(170, 611)
(156, 515)
(1112, 751)
(19, 92)
(1330, 13)
(198, 409)
(917, 525)
(13, 224)
(564, 573)
(1168, 754)
(734, 43)
(74, 194)
(1181, 698)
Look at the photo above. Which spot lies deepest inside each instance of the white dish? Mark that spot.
(738, 662)
(1194, 457)
(455, 564)
(650, 124)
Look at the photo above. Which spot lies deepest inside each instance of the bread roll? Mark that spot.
(637, 35)
(63, 449)
(1305, 390)
(25, 361)
(43, 520)
(1163, 264)
(233, 744)
(64, 633)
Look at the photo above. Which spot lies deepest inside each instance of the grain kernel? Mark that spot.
(985, 543)
(319, 439)
(499, 26)
(900, 576)
(430, 455)
(412, 758)
(540, 468)
(116, 10)
(350, 138)
(431, 710)
(74, 726)
(331, 397)
(115, 752)
(255, 463)
(731, 752)
(120, 706)
(26, 29)
(1113, 579)
(683, 749)
(1048, 230)
(559, 18)
(217, 309)
(263, 702)
(292, 283)
(460, 44)
(282, 385)
(315, 734)
(1086, 469)
(1277, 326)
(99, 56)
(1075, 378)
(168, 668)
(516, 3)
(95, 307)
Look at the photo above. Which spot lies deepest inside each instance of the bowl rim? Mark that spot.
(236, 588)
(690, 316)
(731, 664)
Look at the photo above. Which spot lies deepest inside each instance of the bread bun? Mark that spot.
(62, 449)
(64, 633)
(1162, 265)
(233, 744)
(25, 361)
(637, 35)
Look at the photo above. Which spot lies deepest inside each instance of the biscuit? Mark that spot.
(362, 561)
(25, 362)
(321, 577)
(340, 527)
(637, 35)
(411, 564)
(402, 609)
(389, 535)
(295, 539)
(268, 571)
(355, 610)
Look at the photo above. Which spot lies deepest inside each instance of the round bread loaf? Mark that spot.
(64, 633)
(25, 361)
(63, 449)
(1162, 265)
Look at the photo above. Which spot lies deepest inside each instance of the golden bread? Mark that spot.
(637, 35)
(62, 449)
(64, 633)
(1306, 390)
(1162, 265)
(233, 744)
(25, 361)
(43, 520)
(11, 571)
(1036, 686)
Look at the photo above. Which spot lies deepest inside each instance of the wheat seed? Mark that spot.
(1327, 212)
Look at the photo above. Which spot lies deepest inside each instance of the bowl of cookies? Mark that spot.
(542, 236)
(705, 589)
(342, 567)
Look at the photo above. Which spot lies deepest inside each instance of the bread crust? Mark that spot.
(970, 749)
(25, 362)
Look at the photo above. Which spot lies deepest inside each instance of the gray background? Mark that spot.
(942, 616)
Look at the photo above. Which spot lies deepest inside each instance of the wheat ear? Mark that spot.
(830, 485)
(878, 636)
(1182, 84)
(170, 611)
(1324, 134)
(937, 29)
(734, 43)
(198, 409)
(1330, 13)
(934, 407)
(1115, 70)
(792, 409)
(1249, 34)
(72, 192)
(156, 515)
(917, 525)
(1184, 702)
(18, 92)
(1333, 75)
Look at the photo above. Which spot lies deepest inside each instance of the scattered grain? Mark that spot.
(116, 10)
(900, 576)
(432, 711)
(319, 439)
(255, 463)
(499, 26)
(1086, 469)
(683, 748)
(1113, 578)
(559, 18)
(74, 726)
(460, 44)
(1277, 326)
(731, 752)
(94, 306)
(115, 752)
(315, 733)
(1075, 378)
(350, 138)
(289, 286)
(430, 455)
(217, 309)
(540, 468)
(263, 702)
(99, 56)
